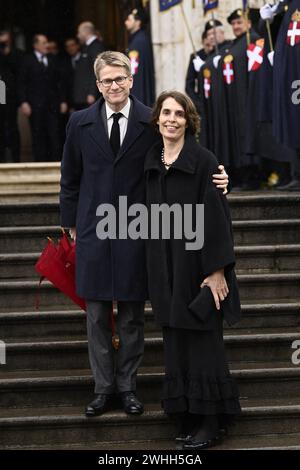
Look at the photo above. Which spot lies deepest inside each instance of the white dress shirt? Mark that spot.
(41, 58)
(90, 40)
(123, 121)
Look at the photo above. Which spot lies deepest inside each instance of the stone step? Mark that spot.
(29, 214)
(253, 287)
(249, 259)
(46, 388)
(262, 205)
(65, 324)
(261, 442)
(68, 425)
(258, 347)
(250, 232)
(18, 179)
(244, 206)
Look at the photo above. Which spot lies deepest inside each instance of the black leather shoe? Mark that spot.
(98, 406)
(193, 444)
(131, 405)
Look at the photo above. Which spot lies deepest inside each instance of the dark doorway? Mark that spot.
(58, 19)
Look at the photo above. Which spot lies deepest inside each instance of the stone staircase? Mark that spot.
(47, 381)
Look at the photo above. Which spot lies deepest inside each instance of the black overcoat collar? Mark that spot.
(187, 161)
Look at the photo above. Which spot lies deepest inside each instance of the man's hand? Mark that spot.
(90, 99)
(63, 108)
(72, 233)
(26, 109)
(218, 286)
(221, 179)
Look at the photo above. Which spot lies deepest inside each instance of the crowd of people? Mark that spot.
(50, 82)
(243, 90)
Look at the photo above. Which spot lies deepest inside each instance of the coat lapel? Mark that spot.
(135, 128)
(96, 129)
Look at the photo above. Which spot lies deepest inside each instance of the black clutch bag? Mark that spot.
(204, 309)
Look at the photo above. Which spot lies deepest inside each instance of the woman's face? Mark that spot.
(172, 122)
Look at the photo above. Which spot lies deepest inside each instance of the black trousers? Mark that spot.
(45, 130)
(9, 132)
(115, 371)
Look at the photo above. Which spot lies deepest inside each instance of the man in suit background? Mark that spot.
(103, 159)
(42, 97)
(82, 89)
(11, 60)
(87, 36)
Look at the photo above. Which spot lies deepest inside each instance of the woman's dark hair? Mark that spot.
(191, 115)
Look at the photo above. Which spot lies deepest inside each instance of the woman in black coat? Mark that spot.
(191, 287)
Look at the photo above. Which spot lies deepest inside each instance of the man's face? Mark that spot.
(5, 40)
(52, 47)
(212, 36)
(239, 26)
(41, 45)
(209, 42)
(72, 47)
(115, 95)
(81, 34)
(131, 24)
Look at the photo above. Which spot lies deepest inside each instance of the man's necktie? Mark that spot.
(115, 133)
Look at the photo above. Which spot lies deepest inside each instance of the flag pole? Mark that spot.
(188, 28)
(215, 31)
(268, 26)
(246, 11)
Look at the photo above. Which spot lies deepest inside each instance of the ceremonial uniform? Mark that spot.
(142, 68)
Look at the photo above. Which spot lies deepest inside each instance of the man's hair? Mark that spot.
(36, 38)
(88, 27)
(71, 39)
(113, 58)
(190, 112)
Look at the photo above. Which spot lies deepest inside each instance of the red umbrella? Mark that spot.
(57, 264)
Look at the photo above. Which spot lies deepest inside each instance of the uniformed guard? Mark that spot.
(140, 54)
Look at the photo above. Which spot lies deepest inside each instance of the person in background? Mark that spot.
(140, 54)
(43, 98)
(87, 35)
(11, 59)
(195, 63)
(81, 79)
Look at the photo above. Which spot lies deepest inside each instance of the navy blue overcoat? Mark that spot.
(90, 176)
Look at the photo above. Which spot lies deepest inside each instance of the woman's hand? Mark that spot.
(218, 286)
(221, 179)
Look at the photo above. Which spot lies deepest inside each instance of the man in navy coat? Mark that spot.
(103, 159)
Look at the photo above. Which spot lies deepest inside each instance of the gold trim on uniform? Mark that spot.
(296, 16)
(260, 42)
(228, 58)
(206, 73)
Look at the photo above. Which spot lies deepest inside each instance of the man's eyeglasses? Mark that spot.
(107, 82)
